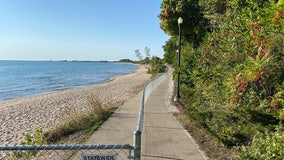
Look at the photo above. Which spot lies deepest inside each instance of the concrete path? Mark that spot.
(164, 137)
(120, 127)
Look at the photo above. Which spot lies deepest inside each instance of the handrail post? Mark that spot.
(137, 145)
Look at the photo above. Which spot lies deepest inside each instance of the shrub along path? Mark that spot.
(164, 137)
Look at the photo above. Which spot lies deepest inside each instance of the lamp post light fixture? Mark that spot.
(180, 21)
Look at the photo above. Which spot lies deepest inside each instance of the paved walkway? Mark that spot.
(120, 127)
(164, 137)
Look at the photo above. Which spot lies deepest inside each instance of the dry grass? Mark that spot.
(87, 122)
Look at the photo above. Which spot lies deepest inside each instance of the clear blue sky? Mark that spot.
(79, 29)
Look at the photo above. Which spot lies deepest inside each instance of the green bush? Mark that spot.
(265, 146)
(156, 66)
(35, 139)
(235, 75)
(232, 80)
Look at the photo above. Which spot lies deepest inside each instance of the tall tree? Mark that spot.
(138, 55)
(147, 54)
(214, 11)
(194, 24)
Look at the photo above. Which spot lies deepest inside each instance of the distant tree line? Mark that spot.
(125, 61)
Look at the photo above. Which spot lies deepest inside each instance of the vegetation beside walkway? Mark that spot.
(79, 127)
(86, 124)
(232, 71)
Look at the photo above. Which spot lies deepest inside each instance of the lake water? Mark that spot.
(25, 78)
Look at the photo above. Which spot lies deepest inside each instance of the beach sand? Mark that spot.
(22, 116)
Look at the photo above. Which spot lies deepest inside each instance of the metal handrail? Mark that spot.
(148, 88)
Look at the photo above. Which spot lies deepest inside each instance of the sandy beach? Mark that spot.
(23, 116)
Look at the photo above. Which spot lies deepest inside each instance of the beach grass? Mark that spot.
(83, 123)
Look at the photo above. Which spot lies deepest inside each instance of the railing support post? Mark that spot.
(137, 145)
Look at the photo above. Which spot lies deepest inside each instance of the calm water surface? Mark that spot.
(25, 78)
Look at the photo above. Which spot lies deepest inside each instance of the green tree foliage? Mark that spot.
(194, 24)
(214, 11)
(233, 80)
(241, 55)
(147, 54)
(170, 49)
(140, 58)
(240, 69)
(265, 146)
(126, 61)
(138, 55)
(157, 66)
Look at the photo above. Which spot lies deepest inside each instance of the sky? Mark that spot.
(79, 29)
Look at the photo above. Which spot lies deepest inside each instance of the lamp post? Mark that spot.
(178, 70)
